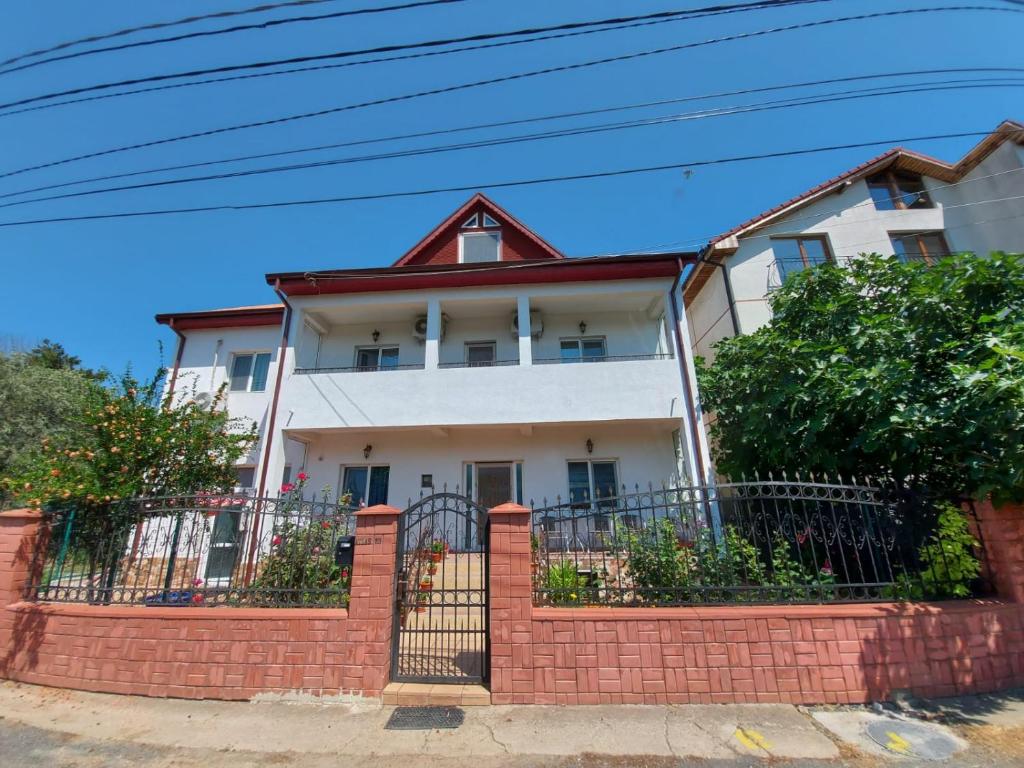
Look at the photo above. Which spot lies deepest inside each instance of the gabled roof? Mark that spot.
(478, 201)
(899, 158)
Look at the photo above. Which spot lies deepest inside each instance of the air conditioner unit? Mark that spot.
(536, 324)
(419, 328)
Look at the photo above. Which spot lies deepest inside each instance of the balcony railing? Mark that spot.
(478, 364)
(600, 359)
(363, 368)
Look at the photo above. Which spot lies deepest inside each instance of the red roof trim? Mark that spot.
(229, 317)
(1007, 130)
(467, 276)
(496, 211)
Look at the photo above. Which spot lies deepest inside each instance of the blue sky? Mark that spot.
(95, 286)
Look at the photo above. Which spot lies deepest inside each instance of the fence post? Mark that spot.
(510, 605)
(20, 532)
(1002, 531)
(366, 667)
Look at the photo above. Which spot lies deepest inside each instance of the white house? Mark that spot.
(481, 360)
(901, 203)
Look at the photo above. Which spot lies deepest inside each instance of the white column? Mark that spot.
(432, 350)
(525, 332)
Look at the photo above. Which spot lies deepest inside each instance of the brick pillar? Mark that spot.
(1002, 531)
(20, 530)
(371, 609)
(511, 606)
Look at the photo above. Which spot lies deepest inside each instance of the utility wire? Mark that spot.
(562, 133)
(159, 25)
(362, 62)
(492, 185)
(526, 120)
(491, 81)
(437, 43)
(229, 30)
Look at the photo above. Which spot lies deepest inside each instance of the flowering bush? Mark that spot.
(300, 568)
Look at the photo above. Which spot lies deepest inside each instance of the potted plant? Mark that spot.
(432, 568)
(426, 584)
(421, 603)
(437, 551)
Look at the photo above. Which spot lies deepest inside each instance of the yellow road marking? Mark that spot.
(897, 743)
(752, 740)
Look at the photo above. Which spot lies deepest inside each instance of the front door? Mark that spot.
(225, 542)
(441, 616)
(494, 484)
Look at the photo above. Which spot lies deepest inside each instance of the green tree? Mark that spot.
(52, 355)
(880, 369)
(131, 442)
(38, 401)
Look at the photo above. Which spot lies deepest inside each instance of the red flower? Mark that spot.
(276, 541)
(197, 598)
(326, 525)
(287, 487)
(302, 476)
(802, 536)
(344, 573)
(826, 567)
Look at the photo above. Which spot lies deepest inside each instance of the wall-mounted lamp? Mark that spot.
(376, 335)
(583, 327)
(590, 445)
(366, 451)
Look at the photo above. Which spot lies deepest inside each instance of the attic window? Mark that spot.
(478, 247)
(488, 221)
(892, 190)
(472, 222)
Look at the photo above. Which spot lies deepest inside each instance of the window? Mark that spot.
(490, 483)
(245, 477)
(795, 253)
(480, 353)
(592, 480)
(249, 372)
(583, 350)
(479, 247)
(368, 485)
(376, 358)
(897, 191)
(928, 247)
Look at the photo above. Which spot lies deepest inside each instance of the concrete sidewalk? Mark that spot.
(303, 731)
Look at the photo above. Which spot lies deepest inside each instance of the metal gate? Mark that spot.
(441, 604)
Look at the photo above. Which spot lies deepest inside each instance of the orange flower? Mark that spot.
(54, 473)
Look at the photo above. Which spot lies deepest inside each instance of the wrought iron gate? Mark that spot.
(441, 604)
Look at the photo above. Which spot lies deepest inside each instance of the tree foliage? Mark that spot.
(909, 372)
(131, 442)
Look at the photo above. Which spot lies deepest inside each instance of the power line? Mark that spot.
(229, 30)
(522, 121)
(490, 81)
(491, 185)
(159, 25)
(502, 141)
(437, 43)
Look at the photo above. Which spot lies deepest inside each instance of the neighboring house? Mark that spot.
(901, 203)
(481, 360)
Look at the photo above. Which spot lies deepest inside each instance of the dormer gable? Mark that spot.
(478, 232)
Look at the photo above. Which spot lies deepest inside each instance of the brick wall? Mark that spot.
(222, 653)
(800, 654)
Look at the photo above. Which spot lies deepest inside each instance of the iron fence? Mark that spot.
(771, 541)
(205, 550)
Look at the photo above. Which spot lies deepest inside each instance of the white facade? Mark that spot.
(980, 211)
(433, 421)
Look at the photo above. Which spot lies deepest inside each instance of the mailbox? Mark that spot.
(344, 551)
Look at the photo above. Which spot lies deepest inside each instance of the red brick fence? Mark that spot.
(828, 653)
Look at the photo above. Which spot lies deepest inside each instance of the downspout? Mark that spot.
(687, 389)
(269, 435)
(177, 359)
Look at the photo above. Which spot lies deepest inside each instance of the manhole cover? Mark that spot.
(911, 739)
(424, 718)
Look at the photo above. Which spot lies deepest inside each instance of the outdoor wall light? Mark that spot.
(590, 443)
(376, 334)
(583, 327)
(366, 451)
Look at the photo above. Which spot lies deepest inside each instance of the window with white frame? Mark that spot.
(367, 485)
(592, 480)
(249, 372)
(245, 478)
(479, 247)
(376, 358)
(583, 349)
